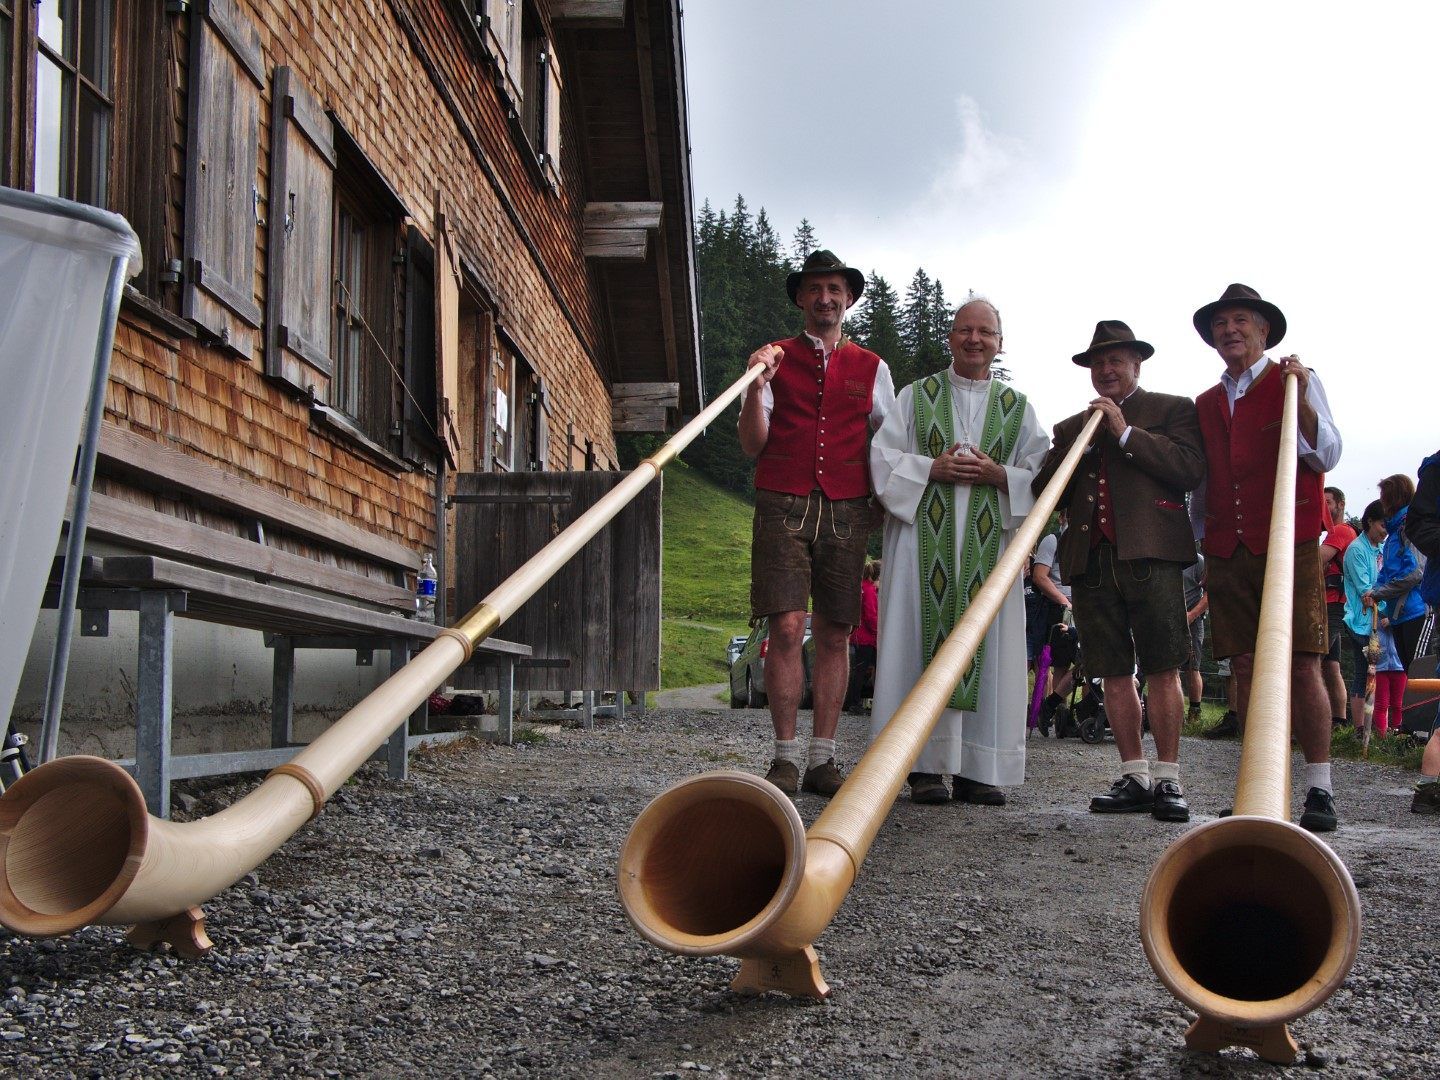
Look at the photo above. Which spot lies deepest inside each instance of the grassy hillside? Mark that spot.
(705, 595)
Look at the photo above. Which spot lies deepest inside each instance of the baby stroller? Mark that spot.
(1083, 716)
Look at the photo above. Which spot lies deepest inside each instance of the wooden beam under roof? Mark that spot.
(623, 215)
(587, 14)
(625, 245)
(652, 170)
(664, 395)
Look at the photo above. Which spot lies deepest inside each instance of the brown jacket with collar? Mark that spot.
(1162, 460)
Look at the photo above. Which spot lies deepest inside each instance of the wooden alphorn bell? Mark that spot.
(1250, 920)
(720, 863)
(77, 845)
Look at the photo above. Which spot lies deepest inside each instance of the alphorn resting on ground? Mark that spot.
(77, 846)
(1250, 920)
(721, 864)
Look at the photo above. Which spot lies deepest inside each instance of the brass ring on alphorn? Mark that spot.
(306, 777)
(451, 632)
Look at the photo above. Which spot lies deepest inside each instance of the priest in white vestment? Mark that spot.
(982, 747)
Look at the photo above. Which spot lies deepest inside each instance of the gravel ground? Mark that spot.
(466, 923)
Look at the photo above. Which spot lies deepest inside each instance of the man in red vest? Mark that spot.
(1124, 556)
(1240, 426)
(805, 421)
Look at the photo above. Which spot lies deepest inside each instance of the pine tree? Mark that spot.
(877, 326)
(804, 242)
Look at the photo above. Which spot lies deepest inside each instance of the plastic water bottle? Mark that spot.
(425, 590)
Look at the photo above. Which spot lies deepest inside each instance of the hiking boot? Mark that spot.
(972, 791)
(1169, 802)
(1229, 725)
(784, 775)
(928, 789)
(1427, 798)
(823, 779)
(1319, 815)
(1126, 796)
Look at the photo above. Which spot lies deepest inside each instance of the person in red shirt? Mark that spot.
(805, 422)
(863, 640)
(1332, 564)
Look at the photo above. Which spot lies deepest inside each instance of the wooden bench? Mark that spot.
(347, 589)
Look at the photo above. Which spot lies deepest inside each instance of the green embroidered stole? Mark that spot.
(944, 595)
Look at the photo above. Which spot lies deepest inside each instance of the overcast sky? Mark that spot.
(1079, 160)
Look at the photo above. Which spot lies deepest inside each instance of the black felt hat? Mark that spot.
(1109, 333)
(1238, 295)
(825, 262)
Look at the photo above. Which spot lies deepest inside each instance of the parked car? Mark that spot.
(733, 650)
(747, 670)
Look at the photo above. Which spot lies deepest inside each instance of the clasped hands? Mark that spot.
(960, 465)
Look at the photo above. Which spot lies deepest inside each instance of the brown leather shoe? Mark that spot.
(972, 791)
(928, 789)
(823, 779)
(784, 775)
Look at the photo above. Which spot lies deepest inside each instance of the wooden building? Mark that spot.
(385, 242)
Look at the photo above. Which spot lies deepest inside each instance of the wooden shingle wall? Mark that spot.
(409, 86)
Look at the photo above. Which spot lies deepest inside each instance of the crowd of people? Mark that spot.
(1165, 527)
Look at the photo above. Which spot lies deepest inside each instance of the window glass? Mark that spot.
(51, 17)
(349, 334)
(94, 60)
(93, 141)
(51, 118)
(7, 23)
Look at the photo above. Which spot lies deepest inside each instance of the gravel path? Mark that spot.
(466, 923)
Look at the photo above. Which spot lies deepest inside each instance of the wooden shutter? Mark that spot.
(447, 334)
(551, 132)
(502, 35)
(302, 215)
(542, 425)
(227, 74)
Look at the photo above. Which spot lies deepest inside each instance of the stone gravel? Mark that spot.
(465, 923)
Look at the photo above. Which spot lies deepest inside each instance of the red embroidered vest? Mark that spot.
(820, 420)
(1242, 452)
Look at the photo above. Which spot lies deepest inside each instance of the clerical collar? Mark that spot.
(961, 382)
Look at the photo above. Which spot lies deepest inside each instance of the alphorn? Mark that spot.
(720, 863)
(1250, 920)
(76, 843)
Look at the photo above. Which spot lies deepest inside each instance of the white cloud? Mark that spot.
(984, 158)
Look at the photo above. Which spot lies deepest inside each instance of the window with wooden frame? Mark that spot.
(502, 406)
(528, 77)
(74, 104)
(87, 113)
(365, 232)
(540, 101)
(7, 49)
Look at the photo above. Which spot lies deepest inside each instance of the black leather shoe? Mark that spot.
(972, 791)
(928, 789)
(1319, 815)
(1127, 796)
(1229, 725)
(1169, 802)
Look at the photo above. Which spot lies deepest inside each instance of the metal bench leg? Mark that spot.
(282, 694)
(397, 749)
(154, 701)
(507, 701)
(587, 709)
(638, 705)
(619, 704)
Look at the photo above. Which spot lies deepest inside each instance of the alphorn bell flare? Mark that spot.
(720, 863)
(76, 843)
(1250, 920)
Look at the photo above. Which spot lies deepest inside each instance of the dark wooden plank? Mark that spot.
(635, 592)
(215, 597)
(152, 530)
(124, 453)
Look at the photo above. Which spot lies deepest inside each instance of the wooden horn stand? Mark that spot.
(77, 846)
(1249, 920)
(720, 863)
